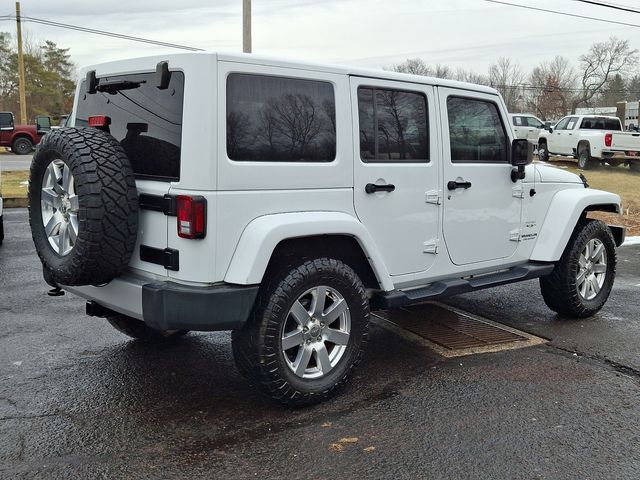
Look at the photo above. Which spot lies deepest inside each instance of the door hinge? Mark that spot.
(434, 197)
(514, 235)
(431, 246)
(518, 191)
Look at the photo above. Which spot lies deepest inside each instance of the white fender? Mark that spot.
(562, 217)
(262, 235)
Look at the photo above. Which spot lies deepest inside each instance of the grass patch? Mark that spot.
(618, 180)
(14, 184)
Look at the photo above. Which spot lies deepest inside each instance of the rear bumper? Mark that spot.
(172, 306)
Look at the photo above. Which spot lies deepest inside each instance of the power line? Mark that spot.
(104, 33)
(563, 13)
(624, 8)
(609, 5)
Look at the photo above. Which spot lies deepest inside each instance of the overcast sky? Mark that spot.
(468, 34)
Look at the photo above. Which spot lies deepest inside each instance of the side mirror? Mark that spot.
(521, 156)
(43, 125)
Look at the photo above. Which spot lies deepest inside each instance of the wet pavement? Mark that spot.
(78, 400)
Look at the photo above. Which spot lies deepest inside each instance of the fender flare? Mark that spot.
(261, 236)
(563, 214)
(25, 135)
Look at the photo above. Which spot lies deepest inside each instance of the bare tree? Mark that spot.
(507, 77)
(604, 60)
(552, 88)
(417, 66)
(470, 76)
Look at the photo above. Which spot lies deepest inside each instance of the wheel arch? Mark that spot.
(26, 135)
(269, 239)
(567, 208)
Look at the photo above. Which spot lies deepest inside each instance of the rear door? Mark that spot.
(147, 121)
(396, 182)
(482, 205)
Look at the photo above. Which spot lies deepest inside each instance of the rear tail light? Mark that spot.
(98, 121)
(192, 216)
(608, 139)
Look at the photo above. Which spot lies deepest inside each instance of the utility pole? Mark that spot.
(21, 79)
(246, 26)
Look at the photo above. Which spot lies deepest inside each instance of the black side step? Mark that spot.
(454, 286)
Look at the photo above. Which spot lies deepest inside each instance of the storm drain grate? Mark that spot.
(452, 332)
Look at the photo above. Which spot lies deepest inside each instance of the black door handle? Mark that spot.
(452, 185)
(372, 188)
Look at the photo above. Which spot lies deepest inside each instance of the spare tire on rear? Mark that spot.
(83, 206)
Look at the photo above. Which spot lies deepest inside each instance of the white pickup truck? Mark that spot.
(593, 140)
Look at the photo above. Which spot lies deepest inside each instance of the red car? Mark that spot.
(21, 138)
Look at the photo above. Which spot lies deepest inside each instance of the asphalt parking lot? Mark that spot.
(13, 163)
(78, 400)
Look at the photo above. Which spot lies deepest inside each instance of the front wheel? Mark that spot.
(543, 152)
(582, 280)
(308, 330)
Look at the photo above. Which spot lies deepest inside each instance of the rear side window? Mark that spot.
(146, 120)
(280, 119)
(476, 131)
(393, 125)
(601, 124)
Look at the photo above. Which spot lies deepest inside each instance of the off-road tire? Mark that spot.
(139, 330)
(543, 152)
(584, 159)
(559, 289)
(107, 212)
(257, 346)
(22, 146)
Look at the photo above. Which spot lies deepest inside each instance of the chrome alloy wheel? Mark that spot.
(315, 334)
(59, 206)
(592, 269)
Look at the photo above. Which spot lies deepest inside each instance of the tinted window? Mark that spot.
(601, 124)
(145, 120)
(6, 120)
(277, 119)
(475, 130)
(393, 126)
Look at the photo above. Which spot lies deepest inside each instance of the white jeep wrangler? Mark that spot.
(285, 201)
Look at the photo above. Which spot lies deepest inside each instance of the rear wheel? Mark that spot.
(582, 280)
(22, 146)
(584, 158)
(308, 330)
(139, 330)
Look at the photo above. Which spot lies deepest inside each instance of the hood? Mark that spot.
(549, 174)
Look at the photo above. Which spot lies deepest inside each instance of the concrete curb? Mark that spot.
(21, 202)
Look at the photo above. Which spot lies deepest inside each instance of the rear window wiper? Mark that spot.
(109, 86)
(115, 86)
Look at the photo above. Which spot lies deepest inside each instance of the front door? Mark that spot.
(555, 141)
(482, 205)
(396, 180)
